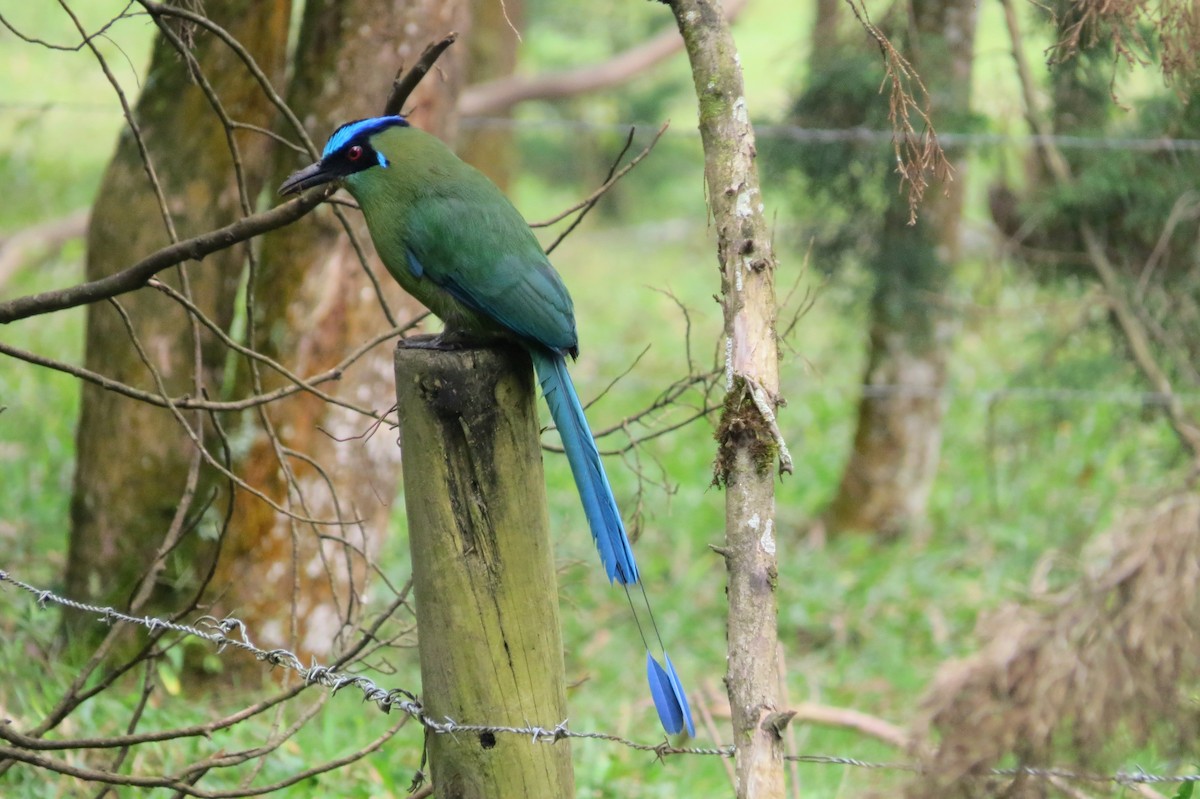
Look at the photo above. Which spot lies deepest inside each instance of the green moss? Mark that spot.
(742, 426)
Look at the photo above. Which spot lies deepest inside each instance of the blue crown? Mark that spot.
(361, 127)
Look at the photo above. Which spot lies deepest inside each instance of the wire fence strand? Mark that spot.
(796, 133)
(232, 633)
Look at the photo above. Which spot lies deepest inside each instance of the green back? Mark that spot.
(453, 240)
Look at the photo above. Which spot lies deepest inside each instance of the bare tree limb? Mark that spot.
(851, 719)
(48, 235)
(137, 276)
(497, 96)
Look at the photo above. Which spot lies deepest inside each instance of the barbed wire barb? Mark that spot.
(408, 702)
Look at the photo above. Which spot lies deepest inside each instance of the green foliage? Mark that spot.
(1129, 194)
(1142, 202)
(838, 189)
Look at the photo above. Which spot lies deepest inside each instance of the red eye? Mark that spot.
(354, 153)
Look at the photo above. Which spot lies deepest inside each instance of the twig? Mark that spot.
(155, 9)
(712, 695)
(134, 127)
(612, 178)
(186, 403)
(402, 87)
(195, 312)
(590, 203)
(134, 719)
(916, 153)
(70, 48)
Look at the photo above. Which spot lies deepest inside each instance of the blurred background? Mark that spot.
(974, 429)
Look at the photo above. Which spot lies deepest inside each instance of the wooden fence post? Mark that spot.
(483, 569)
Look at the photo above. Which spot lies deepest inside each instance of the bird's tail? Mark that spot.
(608, 530)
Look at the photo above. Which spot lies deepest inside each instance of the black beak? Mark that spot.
(312, 175)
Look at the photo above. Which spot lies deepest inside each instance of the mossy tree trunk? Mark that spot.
(314, 304)
(886, 484)
(133, 459)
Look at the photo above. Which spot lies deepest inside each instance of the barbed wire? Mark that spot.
(1018, 393)
(798, 133)
(860, 135)
(219, 631)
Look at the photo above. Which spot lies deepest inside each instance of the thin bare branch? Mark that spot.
(186, 403)
(70, 48)
(138, 275)
(404, 84)
(264, 82)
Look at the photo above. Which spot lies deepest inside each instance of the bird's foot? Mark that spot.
(444, 341)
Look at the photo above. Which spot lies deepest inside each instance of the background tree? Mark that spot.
(172, 178)
(1142, 204)
(1112, 656)
(886, 483)
(312, 301)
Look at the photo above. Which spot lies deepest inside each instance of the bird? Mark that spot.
(453, 240)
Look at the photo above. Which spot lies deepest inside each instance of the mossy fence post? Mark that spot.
(483, 569)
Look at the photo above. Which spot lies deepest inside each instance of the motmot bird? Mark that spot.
(452, 239)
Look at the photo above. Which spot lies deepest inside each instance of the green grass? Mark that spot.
(863, 625)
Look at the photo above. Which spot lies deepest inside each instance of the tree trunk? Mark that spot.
(825, 30)
(133, 459)
(885, 487)
(492, 54)
(297, 584)
(747, 436)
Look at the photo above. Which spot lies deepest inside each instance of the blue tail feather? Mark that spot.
(604, 519)
(599, 505)
(669, 699)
